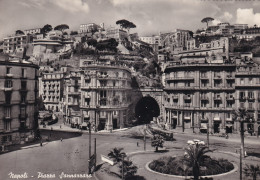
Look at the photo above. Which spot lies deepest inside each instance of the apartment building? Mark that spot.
(16, 43)
(198, 94)
(116, 33)
(18, 101)
(51, 90)
(105, 94)
(72, 98)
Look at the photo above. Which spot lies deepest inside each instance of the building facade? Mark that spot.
(18, 101)
(201, 94)
(14, 44)
(105, 94)
(51, 90)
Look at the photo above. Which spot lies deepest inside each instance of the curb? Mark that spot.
(184, 177)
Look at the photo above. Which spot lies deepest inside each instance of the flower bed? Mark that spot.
(176, 166)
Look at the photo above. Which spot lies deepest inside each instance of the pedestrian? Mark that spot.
(137, 144)
(51, 129)
(41, 142)
(60, 139)
(60, 126)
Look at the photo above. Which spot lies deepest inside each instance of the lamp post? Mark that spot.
(89, 162)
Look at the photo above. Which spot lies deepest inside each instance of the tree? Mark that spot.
(116, 154)
(19, 32)
(47, 28)
(207, 20)
(252, 171)
(128, 169)
(157, 142)
(241, 115)
(195, 157)
(61, 27)
(92, 42)
(125, 24)
(73, 33)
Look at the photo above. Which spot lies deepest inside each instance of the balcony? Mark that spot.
(251, 109)
(187, 97)
(186, 78)
(217, 98)
(175, 97)
(23, 116)
(204, 120)
(250, 98)
(230, 98)
(242, 98)
(8, 88)
(74, 93)
(204, 98)
(204, 77)
(73, 104)
(217, 78)
(9, 75)
(7, 118)
(230, 78)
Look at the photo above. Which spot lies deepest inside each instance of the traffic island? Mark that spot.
(174, 166)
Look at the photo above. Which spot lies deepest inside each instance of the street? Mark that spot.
(71, 154)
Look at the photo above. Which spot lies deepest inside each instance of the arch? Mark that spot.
(147, 108)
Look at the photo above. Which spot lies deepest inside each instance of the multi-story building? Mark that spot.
(116, 33)
(72, 98)
(51, 89)
(16, 44)
(18, 101)
(85, 28)
(226, 29)
(198, 94)
(248, 91)
(105, 94)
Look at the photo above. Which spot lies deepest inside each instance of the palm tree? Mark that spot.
(241, 115)
(128, 169)
(195, 157)
(116, 154)
(252, 171)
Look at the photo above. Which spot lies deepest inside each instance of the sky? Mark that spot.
(149, 16)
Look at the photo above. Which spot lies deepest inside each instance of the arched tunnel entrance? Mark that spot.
(145, 109)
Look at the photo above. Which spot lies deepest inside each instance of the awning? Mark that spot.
(187, 118)
(203, 126)
(216, 119)
(84, 124)
(229, 125)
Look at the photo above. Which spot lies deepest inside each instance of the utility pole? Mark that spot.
(145, 137)
(95, 152)
(89, 163)
(241, 164)
(208, 134)
(123, 169)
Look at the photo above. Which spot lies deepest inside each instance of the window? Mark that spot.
(23, 84)
(8, 112)
(250, 94)
(229, 104)
(23, 98)
(203, 104)
(217, 104)
(23, 110)
(8, 84)
(7, 125)
(241, 95)
(250, 105)
(23, 73)
(251, 81)
(187, 84)
(8, 70)
(204, 74)
(242, 81)
(114, 83)
(242, 105)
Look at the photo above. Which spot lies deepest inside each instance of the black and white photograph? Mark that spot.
(130, 89)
